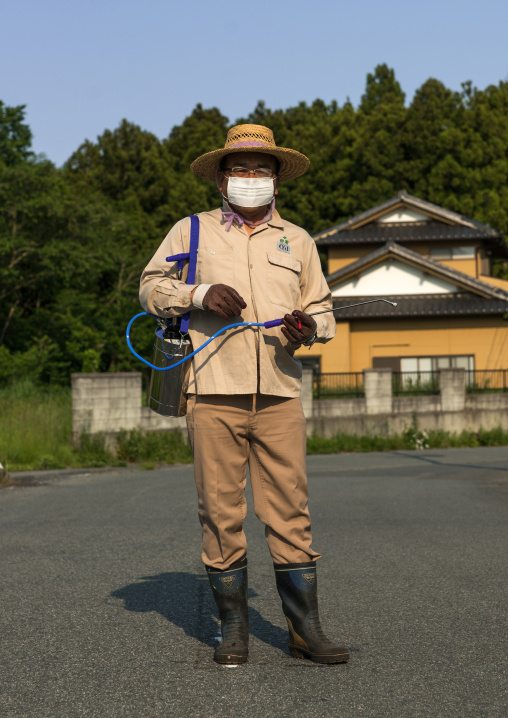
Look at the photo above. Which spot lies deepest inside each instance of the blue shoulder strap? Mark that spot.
(192, 256)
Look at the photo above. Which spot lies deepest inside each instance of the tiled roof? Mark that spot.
(433, 211)
(407, 232)
(396, 251)
(421, 305)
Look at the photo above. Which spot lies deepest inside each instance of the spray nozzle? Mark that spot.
(357, 304)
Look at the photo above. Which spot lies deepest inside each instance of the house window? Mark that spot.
(461, 252)
(422, 364)
(421, 372)
(484, 265)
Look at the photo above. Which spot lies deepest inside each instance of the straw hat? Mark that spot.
(252, 138)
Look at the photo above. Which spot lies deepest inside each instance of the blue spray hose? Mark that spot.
(267, 325)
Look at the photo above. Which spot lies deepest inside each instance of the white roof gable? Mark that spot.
(390, 278)
(403, 214)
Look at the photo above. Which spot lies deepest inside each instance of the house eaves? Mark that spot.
(412, 232)
(403, 199)
(396, 251)
(463, 304)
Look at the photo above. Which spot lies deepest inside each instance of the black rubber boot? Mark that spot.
(297, 587)
(230, 592)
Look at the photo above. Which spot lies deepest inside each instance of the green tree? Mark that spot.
(15, 135)
(203, 131)
(66, 276)
(381, 89)
(377, 151)
(129, 167)
(433, 134)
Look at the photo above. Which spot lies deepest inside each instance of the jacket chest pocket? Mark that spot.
(283, 280)
(214, 266)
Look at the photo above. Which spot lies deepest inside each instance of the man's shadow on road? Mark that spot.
(186, 600)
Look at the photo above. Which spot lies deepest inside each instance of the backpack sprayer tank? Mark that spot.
(172, 343)
(166, 395)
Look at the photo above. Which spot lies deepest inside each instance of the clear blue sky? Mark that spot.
(81, 66)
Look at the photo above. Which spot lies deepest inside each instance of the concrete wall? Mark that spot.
(108, 403)
(381, 413)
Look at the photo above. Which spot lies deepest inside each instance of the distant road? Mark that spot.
(106, 611)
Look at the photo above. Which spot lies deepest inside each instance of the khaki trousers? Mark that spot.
(269, 433)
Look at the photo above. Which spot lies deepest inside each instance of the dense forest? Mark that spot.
(74, 240)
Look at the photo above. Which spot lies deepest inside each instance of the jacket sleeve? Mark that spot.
(161, 292)
(316, 294)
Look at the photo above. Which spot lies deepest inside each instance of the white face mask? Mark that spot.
(250, 191)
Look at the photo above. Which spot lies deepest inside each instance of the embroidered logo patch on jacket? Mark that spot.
(284, 246)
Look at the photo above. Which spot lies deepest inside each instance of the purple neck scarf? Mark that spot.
(230, 215)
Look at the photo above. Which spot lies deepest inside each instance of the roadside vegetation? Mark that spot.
(36, 433)
(411, 439)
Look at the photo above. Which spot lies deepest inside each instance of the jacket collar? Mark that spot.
(274, 221)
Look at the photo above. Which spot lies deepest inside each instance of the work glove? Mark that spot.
(298, 327)
(224, 301)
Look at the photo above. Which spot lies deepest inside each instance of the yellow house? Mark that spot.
(436, 264)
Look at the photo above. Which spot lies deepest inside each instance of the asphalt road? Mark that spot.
(106, 612)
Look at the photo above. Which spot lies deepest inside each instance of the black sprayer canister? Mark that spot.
(166, 395)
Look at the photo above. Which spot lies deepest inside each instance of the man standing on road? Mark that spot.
(243, 389)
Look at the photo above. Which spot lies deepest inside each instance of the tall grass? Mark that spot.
(36, 433)
(35, 426)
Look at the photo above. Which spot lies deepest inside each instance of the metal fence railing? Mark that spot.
(410, 383)
(486, 381)
(338, 386)
(346, 385)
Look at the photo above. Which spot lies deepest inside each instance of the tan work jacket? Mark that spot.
(272, 280)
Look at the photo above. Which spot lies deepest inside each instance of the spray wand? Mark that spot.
(266, 325)
(278, 322)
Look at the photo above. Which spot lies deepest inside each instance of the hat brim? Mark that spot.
(293, 163)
